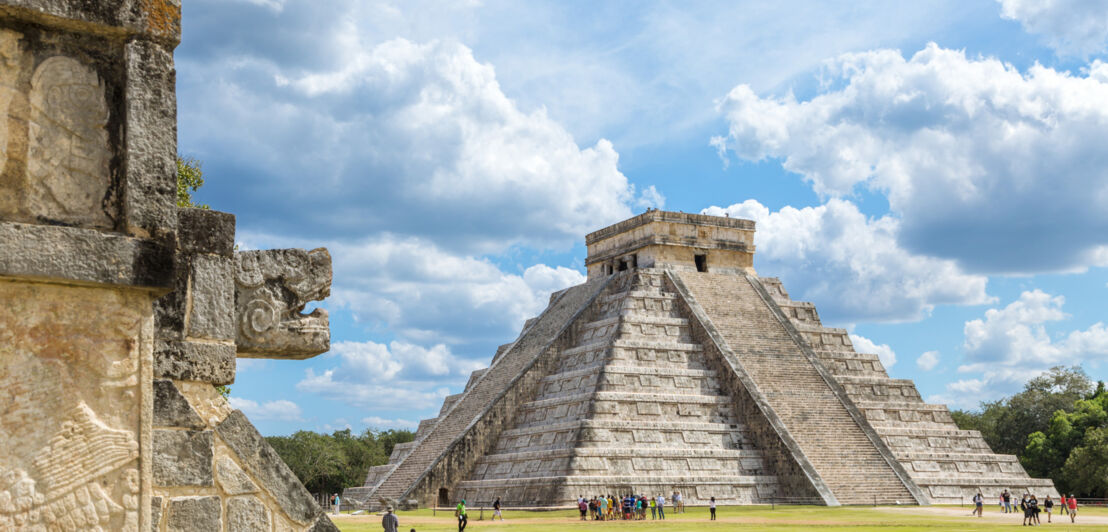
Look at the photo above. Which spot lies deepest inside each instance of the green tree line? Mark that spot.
(328, 463)
(1057, 426)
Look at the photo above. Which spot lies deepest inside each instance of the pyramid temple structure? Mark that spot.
(676, 368)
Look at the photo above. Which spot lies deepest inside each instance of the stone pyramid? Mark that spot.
(676, 368)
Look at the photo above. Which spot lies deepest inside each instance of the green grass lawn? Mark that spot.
(795, 518)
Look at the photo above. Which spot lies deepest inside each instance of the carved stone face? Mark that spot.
(271, 289)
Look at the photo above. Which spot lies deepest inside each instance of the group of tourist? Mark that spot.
(631, 507)
(1029, 505)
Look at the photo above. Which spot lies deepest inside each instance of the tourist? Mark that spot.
(712, 507)
(335, 501)
(653, 509)
(978, 502)
(1072, 502)
(661, 507)
(1026, 510)
(583, 507)
(460, 513)
(1062, 504)
(611, 506)
(1034, 503)
(496, 510)
(603, 506)
(1049, 505)
(1007, 502)
(389, 522)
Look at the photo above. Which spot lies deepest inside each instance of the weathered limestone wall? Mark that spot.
(470, 427)
(75, 388)
(657, 239)
(212, 469)
(109, 419)
(797, 480)
(86, 231)
(951, 465)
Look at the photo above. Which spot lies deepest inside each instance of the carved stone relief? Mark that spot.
(11, 143)
(71, 389)
(271, 289)
(67, 165)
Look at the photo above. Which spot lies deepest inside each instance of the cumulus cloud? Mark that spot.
(883, 351)
(851, 266)
(1071, 27)
(1011, 345)
(279, 410)
(396, 376)
(928, 360)
(981, 163)
(425, 293)
(405, 137)
(379, 423)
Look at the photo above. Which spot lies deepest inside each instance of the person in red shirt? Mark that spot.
(1072, 502)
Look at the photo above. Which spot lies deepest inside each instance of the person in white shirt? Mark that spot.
(661, 500)
(712, 507)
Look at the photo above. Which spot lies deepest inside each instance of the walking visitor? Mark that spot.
(335, 501)
(978, 504)
(496, 510)
(1072, 502)
(389, 522)
(1049, 505)
(460, 513)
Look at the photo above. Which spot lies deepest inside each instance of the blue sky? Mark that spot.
(932, 175)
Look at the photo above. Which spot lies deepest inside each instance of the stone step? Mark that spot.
(815, 415)
(491, 391)
(636, 424)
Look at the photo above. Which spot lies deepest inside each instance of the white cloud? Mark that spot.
(850, 266)
(379, 423)
(408, 138)
(928, 360)
(981, 163)
(275, 5)
(651, 198)
(1012, 344)
(428, 295)
(279, 410)
(395, 376)
(883, 351)
(1077, 27)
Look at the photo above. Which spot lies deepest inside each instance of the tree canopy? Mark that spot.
(328, 463)
(1057, 426)
(190, 177)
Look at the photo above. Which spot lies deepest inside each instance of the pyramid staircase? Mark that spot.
(852, 462)
(630, 407)
(950, 464)
(675, 368)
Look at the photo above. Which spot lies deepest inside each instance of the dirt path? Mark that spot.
(993, 515)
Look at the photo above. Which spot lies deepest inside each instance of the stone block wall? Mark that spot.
(949, 464)
(119, 312)
(212, 469)
(86, 241)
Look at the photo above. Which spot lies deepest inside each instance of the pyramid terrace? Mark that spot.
(676, 368)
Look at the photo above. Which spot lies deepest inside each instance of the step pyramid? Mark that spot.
(675, 368)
